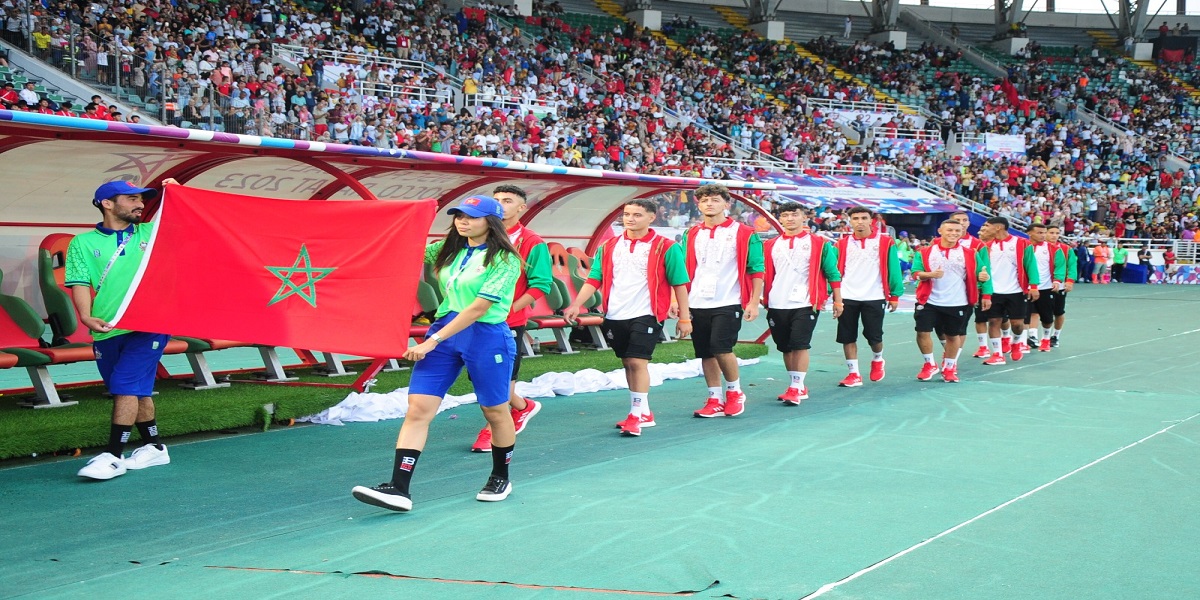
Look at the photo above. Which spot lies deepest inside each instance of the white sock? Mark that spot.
(1045, 333)
(1058, 334)
(714, 392)
(1053, 332)
(983, 340)
(957, 354)
(949, 363)
(734, 386)
(995, 343)
(878, 356)
(928, 359)
(852, 365)
(797, 379)
(1006, 334)
(639, 403)
(1024, 337)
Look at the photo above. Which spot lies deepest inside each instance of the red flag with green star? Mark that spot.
(328, 276)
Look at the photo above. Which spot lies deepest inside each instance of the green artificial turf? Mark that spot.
(24, 431)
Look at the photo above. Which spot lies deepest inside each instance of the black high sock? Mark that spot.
(117, 436)
(500, 459)
(149, 433)
(402, 470)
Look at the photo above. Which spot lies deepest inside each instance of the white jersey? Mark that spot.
(862, 279)
(951, 289)
(630, 294)
(791, 283)
(1003, 255)
(717, 280)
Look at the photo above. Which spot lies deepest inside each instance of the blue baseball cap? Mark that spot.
(113, 189)
(479, 206)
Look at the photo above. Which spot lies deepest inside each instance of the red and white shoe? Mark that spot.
(851, 380)
(983, 352)
(483, 443)
(521, 417)
(1044, 346)
(1006, 345)
(631, 426)
(928, 370)
(712, 408)
(877, 371)
(735, 403)
(950, 374)
(996, 359)
(646, 420)
(793, 396)
(1018, 351)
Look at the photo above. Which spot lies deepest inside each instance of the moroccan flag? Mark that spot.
(1010, 92)
(331, 276)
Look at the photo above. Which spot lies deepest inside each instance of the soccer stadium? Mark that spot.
(886, 300)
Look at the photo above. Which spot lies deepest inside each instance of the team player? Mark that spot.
(533, 284)
(638, 273)
(953, 278)
(477, 269)
(871, 284)
(801, 268)
(1014, 276)
(976, 244)
(104, 261)
(1060, 299)
(725, 266)
(1052, 269)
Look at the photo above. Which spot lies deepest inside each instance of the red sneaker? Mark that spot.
(983, 352)
(793, 396)
(1044, 346)
(877, 370)
(631, 426)
(1006, 345)
(950, 374)
(851, 380)
(735, 403)
(483, 443)
(521, 417)
(996, 359)
(646, 420)
(1018, 351)
(928, 370)
(712, 408)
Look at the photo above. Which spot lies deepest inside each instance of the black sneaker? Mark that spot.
(1054, 341)
(495, 490)
(383, 496)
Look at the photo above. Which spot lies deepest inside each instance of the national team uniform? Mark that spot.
(722, 262)
(944, 305)
(1014, 273)
(536, 279)
(1052, 269)
(799, 272)
(871, 277)
(1072, 271)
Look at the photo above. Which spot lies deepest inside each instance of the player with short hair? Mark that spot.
(871, 284)
(638, 272)
(1014, 278)
(952, 278)
(801, 269)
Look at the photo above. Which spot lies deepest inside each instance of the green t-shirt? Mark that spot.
(466, 278)
(1120, 255)
(88, 256)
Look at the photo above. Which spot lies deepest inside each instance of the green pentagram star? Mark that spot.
(306, 289)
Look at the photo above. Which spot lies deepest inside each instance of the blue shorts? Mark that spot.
(128, 362)
(486, 349)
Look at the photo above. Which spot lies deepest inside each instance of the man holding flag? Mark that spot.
(105, 261)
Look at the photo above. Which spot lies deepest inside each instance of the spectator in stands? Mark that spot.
(29, 95)
(104, 262)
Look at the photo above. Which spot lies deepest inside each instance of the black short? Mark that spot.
(1043, 307)
(1060, 304)
(1007, 306)
(715, 330)
(518, 333)
(871, 314)
(980, 314)
(792, 328)
(633, 338)
(945, 320)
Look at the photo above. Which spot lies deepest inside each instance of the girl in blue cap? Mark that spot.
(477, 270)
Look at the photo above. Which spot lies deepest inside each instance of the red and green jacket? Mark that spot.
(823, 274)
(1072, 262)
(889, 265)
(665, 268)
(1058, 261)
(1027, 271)
(975, 260)
(749, 254)
(536, 276)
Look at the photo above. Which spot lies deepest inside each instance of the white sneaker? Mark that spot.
(147, 456)
(103, 466)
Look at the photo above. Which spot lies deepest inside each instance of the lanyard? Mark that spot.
(452, 280)
(112, 261)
